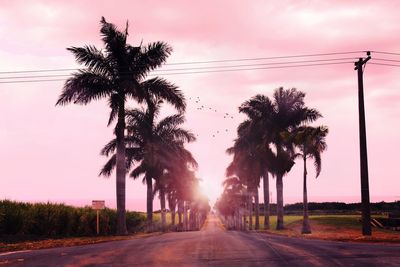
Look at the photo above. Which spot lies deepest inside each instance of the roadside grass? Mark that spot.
(330, 227)
(15, 242)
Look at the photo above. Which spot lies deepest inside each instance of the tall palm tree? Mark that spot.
(255, 132)
(286, 112)
(312, 142)
(154, 146)
(117, 73)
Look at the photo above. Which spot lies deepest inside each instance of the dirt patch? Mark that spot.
(67, 242)
(338, 233)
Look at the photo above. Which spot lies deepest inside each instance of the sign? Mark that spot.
(98, 204)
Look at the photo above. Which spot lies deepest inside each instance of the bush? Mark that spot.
(59, 220)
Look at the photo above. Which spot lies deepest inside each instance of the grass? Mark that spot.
(331, 227)
(157, 218)
(42, 243)
(338, 221)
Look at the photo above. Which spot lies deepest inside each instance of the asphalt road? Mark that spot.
(212, 246)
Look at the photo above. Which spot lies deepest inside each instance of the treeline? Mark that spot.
(19, 219)
(336, 207)
(379, 206)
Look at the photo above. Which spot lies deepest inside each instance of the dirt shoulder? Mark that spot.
(338, 233)
(67, 242)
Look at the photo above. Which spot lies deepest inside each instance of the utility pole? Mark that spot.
(365, 204)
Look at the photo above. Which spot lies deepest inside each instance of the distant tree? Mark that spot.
(311, 142)
(117, 73)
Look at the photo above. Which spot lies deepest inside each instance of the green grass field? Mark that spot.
(338, 221)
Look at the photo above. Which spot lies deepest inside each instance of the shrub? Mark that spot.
(59, 220)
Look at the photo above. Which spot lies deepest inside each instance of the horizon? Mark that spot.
(109, 203)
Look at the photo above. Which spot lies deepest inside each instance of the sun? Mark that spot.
(210, 188)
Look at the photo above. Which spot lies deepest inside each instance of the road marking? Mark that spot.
(14, 252)
(272, 248)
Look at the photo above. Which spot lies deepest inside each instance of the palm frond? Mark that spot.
(93, 59)
(164, 90)
(317, 163)
(170, 122)
(151, 57)
(138, 171)
(109, 148)
(109, 166)
(114, 41)
(113, 102)
(84, 87)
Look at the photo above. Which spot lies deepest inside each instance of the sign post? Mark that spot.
(98, 205)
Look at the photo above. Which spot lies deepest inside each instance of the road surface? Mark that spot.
(212, 246)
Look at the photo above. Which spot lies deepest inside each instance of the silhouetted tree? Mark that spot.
(118, 73)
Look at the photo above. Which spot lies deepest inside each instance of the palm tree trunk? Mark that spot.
(185, 217)
(149, 182)
(172, 207)
(173, 214)
(121, 171)
(257, 212)
(163, 210)
(266, 200)
(279, 202)
(306, 224)
(250, 211)
(180, 210)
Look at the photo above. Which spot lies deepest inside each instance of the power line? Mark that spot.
(385, 64)
(268, 58)
(208, 71)
(260, 64)
(386, 53)
(196, 68)
(386, 59)
(32, 81)
(35, 76)
(32, 71)
(261, 68)
(203, 62)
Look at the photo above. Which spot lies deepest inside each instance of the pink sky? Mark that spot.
(52, 153)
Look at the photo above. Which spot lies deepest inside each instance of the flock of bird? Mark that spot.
(201, 107)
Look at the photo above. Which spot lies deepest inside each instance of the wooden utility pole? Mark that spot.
(365, 204)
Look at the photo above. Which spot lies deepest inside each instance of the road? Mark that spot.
(212, 246)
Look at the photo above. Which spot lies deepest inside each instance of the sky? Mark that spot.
(50, 153)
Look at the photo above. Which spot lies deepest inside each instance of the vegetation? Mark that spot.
(311, 143)
(266, 143)
(155, 150)
(118, 74)
(25, 220)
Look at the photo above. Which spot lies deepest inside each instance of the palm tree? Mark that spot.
(166, 183)
(286, 112)
(232, 201)
(311, 142)
(117, 73)
(155, 146)
(256, 130)
(290, 113)
(248, 167)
